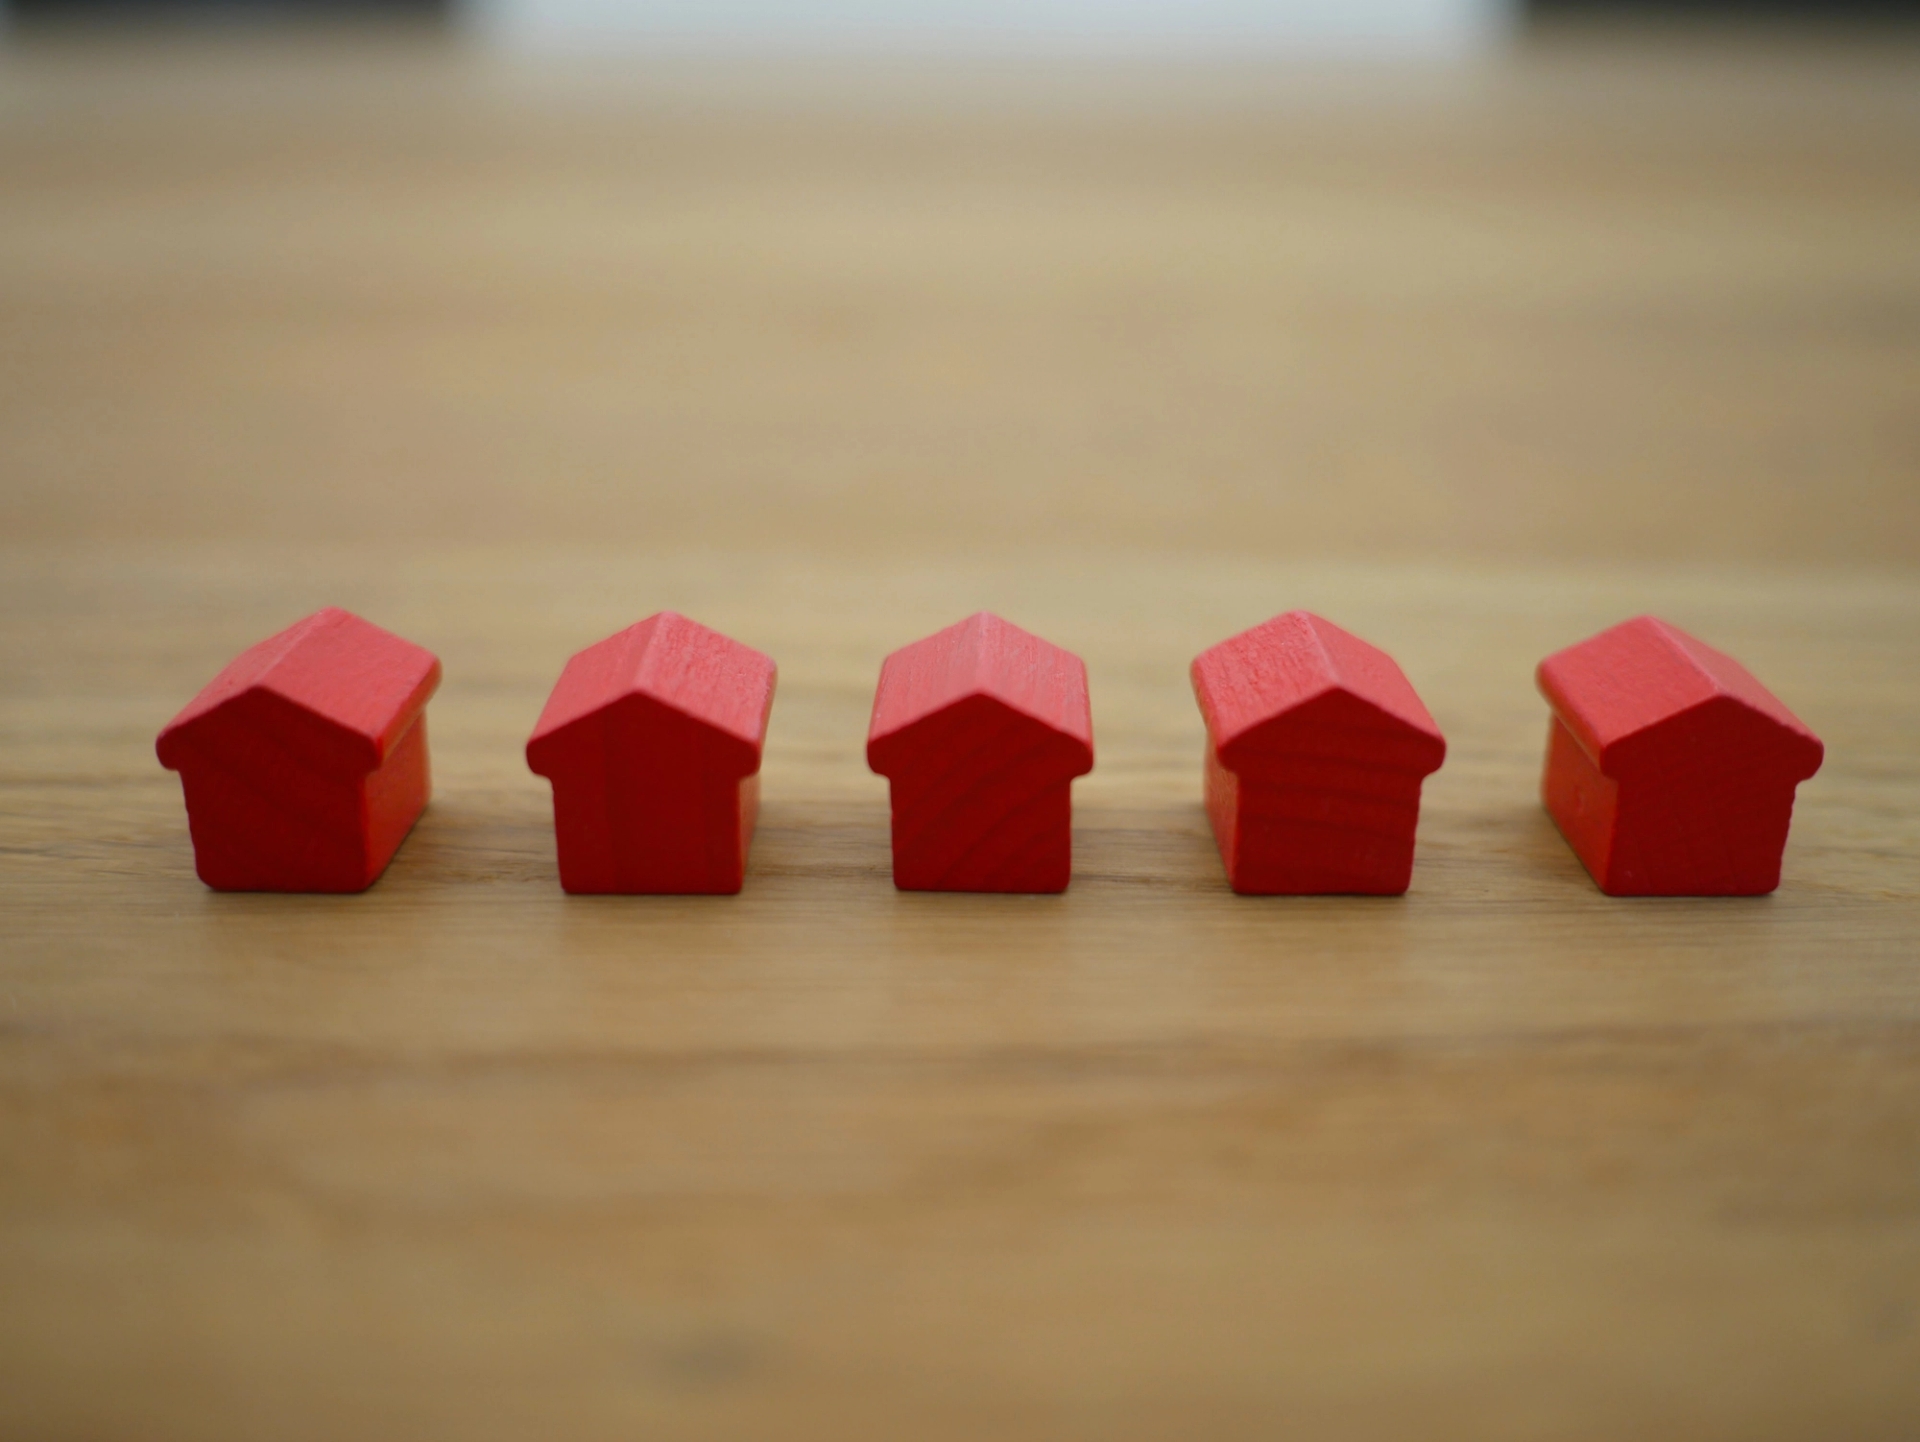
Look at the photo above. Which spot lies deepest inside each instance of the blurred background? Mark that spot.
(1439, 278)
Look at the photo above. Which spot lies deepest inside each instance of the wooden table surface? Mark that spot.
(506, 358)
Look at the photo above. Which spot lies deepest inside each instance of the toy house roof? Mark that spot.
(1301, 679)
(337, 687)
(982, 656)
(1621, 692)
(675, 663)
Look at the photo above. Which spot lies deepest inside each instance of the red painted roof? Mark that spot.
(1301, 667)
(364, 684)
(1621, 686)
(980, 656)
(677, 663)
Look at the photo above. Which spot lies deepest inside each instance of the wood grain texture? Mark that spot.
(1477, 372)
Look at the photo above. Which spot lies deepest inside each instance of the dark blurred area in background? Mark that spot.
(61, 14)
(1804, 10)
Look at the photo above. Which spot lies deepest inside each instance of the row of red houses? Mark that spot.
(1670, 769)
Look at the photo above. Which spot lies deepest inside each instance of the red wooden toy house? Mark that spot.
(305, 761)
(1670, 769)
(1316, 748)
(652, 740)
(980, 729)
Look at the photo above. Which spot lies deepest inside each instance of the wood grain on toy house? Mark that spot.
(1317, 745)
(304, 761)
(652, 739)
(980, 730)
(1670, 769)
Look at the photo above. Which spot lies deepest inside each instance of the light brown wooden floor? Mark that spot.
(505, 359)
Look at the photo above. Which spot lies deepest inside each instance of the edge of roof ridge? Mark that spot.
(1314, 622)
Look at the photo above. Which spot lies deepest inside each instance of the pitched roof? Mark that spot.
(1645, 673)
(981, 656)
(364, 682)
(1299, 662)
(676, 663)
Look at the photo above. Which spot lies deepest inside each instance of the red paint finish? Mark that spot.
(1670, 770)
(980, 729)
(1316, 748)
(652, 739)
(305, 761)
